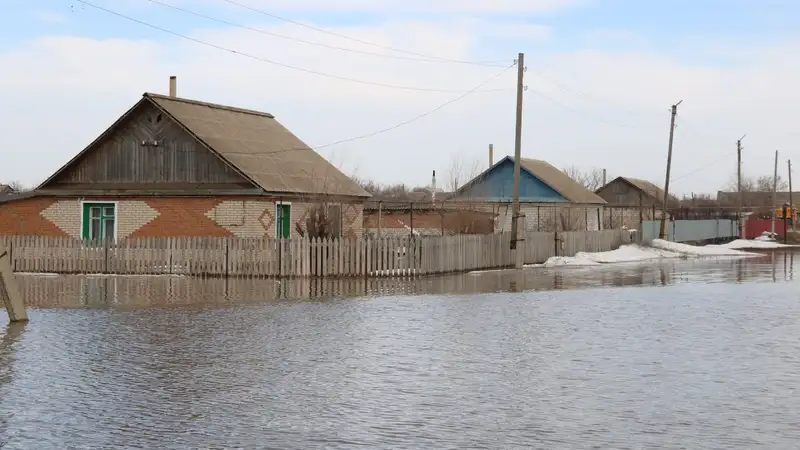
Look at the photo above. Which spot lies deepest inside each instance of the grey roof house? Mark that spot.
(633, 192)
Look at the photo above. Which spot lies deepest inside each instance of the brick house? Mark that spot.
(549, 199)
(173, 167)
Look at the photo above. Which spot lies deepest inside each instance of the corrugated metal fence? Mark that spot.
(691, 230)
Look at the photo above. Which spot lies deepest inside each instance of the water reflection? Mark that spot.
(8, 347)
(45, 291)
(707, 362)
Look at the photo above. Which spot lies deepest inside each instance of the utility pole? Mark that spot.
(775, 193)
(791, 205)
(739, 185)
(515, 218)
(663, 233)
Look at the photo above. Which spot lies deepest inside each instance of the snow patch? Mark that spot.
(624, 254)
(695, 251)
(658, 250)
(755, 244)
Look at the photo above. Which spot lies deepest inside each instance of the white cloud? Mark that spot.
(63, 91)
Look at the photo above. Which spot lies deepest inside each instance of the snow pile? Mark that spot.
(766, 236)
(624, 254)
(659, 249)
(755, 244)
(694, 251)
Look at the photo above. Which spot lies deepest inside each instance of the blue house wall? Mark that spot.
(497, 185)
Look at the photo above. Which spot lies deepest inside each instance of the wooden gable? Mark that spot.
(497, 185)
(147, 150)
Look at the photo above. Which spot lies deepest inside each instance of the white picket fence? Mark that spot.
(253, 257)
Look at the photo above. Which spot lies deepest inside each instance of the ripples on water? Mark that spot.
(704, 363)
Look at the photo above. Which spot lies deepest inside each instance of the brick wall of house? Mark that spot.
(165, 217)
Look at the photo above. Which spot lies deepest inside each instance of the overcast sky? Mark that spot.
(601, 77)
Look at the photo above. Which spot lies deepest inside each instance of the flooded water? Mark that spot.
(688, 354)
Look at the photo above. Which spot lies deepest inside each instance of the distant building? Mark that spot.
(634, 192)
(756, 199)
(633, 200)
(6, 189)
(549, 198)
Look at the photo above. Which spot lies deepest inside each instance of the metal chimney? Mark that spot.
(433, 188)
(173, 86)
(491, 155)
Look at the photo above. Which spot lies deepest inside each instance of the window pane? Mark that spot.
(94, 229)
(94, 212)
(108, 229)
(108, 211)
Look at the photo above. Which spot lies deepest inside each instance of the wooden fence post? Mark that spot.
(9, 290)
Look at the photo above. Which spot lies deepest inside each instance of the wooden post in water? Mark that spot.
(519, 252)
(8, 288)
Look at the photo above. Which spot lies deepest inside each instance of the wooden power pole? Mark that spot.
(791, 205)
(516, 229)
(739, 185)
(775, 194)
(663, 232)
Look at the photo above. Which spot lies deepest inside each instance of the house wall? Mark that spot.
(166, 217)
(619, 192)
(498, 185)
(546, 216)
(429, 222)
(120, 160)
(631, 218)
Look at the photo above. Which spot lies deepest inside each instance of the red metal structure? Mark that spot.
(754, 227)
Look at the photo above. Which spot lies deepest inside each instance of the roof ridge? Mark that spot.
(210, 105)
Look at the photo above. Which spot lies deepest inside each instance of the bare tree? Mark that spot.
(591, 180)
(767, 183)
(460, 171)
(764, 183)
(16, 186)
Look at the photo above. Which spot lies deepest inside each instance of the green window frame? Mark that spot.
(283, 220)
(99, 221)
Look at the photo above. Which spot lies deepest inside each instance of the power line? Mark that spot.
(318, 44)
(576, 110)
(579, 93)
(403, 123)
(420, 116)
(701, 168)
(682, 124)
(360, 41)
(257, 58)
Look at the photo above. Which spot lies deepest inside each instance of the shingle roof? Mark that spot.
(560, 182)
(260, 147)
(649, 188)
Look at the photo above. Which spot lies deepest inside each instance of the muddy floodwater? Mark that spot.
(683, 354)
